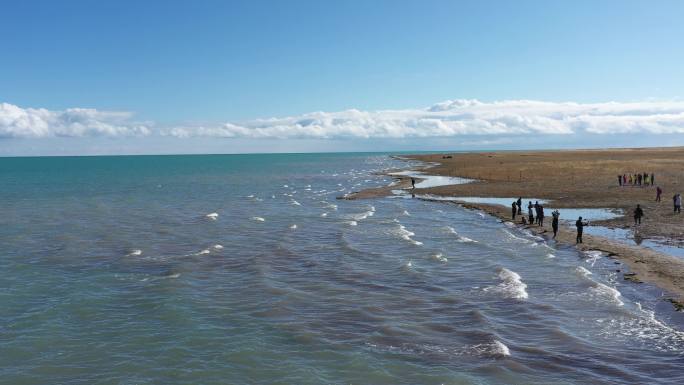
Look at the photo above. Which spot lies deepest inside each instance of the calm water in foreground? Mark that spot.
(115, 270)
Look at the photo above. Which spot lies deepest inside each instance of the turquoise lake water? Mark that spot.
(246, 269)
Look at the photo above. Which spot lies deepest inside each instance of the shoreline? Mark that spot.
(645, 265)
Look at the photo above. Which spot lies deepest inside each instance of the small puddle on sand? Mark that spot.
(499, 201)
(586, 214)
(627, 237)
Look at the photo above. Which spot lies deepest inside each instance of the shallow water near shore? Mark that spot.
(247, 269)
(426, 180)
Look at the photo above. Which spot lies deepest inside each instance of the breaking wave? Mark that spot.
(511, 285)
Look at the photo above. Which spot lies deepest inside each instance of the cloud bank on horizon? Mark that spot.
(451, 118)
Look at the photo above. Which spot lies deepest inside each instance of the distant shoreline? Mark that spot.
(574, 179)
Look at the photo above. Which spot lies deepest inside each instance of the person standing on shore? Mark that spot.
(413, 183)
(536, 211)
(530, 215)
(555, 214)
(620, 180)
(514, 210)
(519, 203)
(580, 229)
(677, 200)
(639, 176)
(638, 213)
(659, 192)
(630, 179)
(541, 215)
(624, 179)
(652, 178)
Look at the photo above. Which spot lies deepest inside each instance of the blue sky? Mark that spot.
(208, 63)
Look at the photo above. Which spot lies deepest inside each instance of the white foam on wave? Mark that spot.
(217, 247)
(463, 239)
(481, 215)
(361, 216)
(495, 349)
(295, 203)
(460, 238)
(593, 256)
(440, 257)
(352, 223)
(134, 253)
(649, 327)
(644, 328)
(293, 227)
(406, 213)
(604, 291)
(203, 252)
(406, 235)
(499, 349)
(583, 271)
(511, 285)
(213, 216)
(258, 219)
(515, 237)
(550, 256)
(324, 215)
(534, 236)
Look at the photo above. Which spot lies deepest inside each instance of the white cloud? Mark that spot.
(446, 119)
(17, 122)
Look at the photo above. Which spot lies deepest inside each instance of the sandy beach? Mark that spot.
(576, 179)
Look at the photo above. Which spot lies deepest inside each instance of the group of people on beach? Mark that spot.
(535, 214)
(644, 179)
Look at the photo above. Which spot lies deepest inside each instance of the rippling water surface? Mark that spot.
(247, 270)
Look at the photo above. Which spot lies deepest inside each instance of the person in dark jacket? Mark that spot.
(580, 229)
(514, 210)
(519, 203)
(541, 215)
(554, 222)
(620, 180)
(530, 215)
(638, 213)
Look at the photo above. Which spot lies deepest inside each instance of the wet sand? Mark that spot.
(576, 179)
